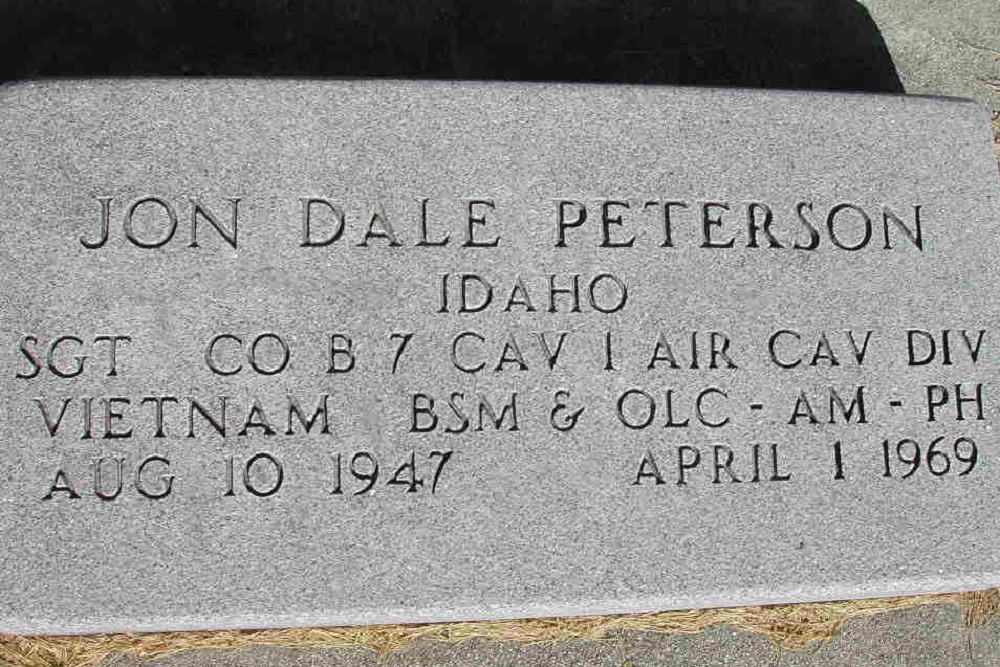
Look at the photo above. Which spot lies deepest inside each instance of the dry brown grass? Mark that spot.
(793, 626)
(996, 128)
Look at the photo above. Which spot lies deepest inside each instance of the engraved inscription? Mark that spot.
(680, 395)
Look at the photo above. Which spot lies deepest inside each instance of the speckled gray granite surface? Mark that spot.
(939, 48)
(296, 353)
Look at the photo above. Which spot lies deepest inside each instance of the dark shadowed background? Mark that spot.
(819, 44)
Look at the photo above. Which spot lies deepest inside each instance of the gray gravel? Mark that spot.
(926, 636)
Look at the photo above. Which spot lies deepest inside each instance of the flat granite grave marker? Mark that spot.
(291, 353)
